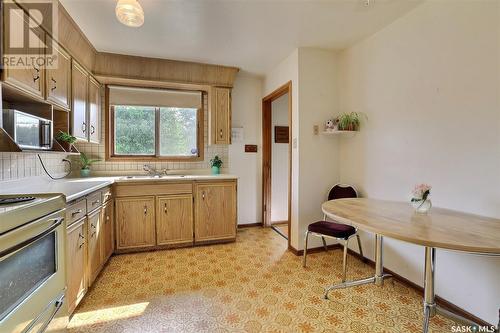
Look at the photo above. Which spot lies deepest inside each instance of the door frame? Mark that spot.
(267, 153)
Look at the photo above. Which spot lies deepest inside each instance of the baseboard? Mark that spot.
(439, 300)
(279, 222)
(250, 225)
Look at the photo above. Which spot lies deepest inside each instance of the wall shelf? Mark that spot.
(340, 133)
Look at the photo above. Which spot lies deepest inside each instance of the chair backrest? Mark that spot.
(340, 191)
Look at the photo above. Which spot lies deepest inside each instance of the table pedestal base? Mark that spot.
(379, 277)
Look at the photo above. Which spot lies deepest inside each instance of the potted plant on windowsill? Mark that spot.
(85, 164)
(66, 138)
(349, 121)
(216, 163)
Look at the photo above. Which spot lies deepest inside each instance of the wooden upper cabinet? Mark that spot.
(220, 115)
(58, 79)
(174, 219)
(94, 106)
(30, 80)
(215, 211)
(79, 110)
(76, 263)
(135, 222)
(107, 244)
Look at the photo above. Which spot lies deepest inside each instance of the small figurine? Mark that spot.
(330, 125)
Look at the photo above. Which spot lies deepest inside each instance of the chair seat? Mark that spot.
(332, 229)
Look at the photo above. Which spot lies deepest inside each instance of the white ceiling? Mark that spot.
(254, 35)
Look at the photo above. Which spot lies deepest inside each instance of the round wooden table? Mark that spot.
(439, 228)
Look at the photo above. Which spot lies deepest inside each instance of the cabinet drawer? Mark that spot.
(94, 201)
(76, 211)
(153, 189)
(106, 194)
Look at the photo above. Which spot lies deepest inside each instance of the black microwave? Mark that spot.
(27, 130)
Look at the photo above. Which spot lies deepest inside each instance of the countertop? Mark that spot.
(74, 188)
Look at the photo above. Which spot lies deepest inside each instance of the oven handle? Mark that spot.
(57, 306)
(57, 222)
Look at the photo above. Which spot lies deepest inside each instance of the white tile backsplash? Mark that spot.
(22, 165)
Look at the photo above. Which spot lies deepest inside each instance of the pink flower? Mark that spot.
(421, 191)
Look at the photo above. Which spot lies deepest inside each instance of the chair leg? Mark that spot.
(344, 264)
(305, 248)
(324, 243)
(360, 248)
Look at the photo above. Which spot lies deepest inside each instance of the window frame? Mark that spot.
(110, 138)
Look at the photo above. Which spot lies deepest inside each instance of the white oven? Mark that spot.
(32, 276)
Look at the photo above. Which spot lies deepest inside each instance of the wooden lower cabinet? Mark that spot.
(108, 226)
(94, 226)
(174, 219)
(135, 222)
(214, 211)
(76, 263)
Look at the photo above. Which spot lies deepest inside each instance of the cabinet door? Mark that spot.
(94, 245)
(76, 263)
(174, 219)
(107, 232)
(29, 80)
(215, 211)
(94, 107)
(58, 79)
(220, 115)
(135, 218)
(79, 111)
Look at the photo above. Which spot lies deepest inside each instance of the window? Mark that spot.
(167, 131)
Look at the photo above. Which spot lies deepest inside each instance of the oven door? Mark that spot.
(32, 275)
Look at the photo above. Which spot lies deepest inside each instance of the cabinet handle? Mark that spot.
(55, 84)
(165, 208)
(92, 225)
(35, 78)
(96, 202)
(92, 234)
(145, 210)
(107, 217)
(80, 236)
(221, 133)
(92, 129)
(203, 195)
(84, 127)
(76, 212)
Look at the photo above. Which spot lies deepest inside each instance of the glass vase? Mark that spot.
(423, 206)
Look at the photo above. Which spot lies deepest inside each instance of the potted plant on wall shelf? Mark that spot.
(216, 163)
(85, 164)
(349, 121)
(67, 139)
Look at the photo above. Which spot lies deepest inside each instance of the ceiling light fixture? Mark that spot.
(130, 13)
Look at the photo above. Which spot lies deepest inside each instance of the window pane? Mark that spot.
(178, 132)
(134, 130)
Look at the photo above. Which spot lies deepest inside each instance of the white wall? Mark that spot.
(246, 113)
(288, 70)
(429, 83)
(279, 162)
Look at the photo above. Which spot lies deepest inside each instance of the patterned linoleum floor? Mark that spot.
(253, 285)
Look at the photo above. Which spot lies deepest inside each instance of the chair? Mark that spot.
(338, 231)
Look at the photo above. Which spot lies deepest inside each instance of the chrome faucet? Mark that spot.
(151, 171)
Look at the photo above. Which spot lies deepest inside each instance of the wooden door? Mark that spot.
(76, 263)
(94, 245)
(107, 231)
(94, 108)
(135, 222)
(221, 115)
(174, 219)
(79, 93)
(29, 80)
(58, 79)
(215, 211)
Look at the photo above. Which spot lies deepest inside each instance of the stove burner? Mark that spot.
(6, 201)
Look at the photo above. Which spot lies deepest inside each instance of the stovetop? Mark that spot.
(13, 215)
